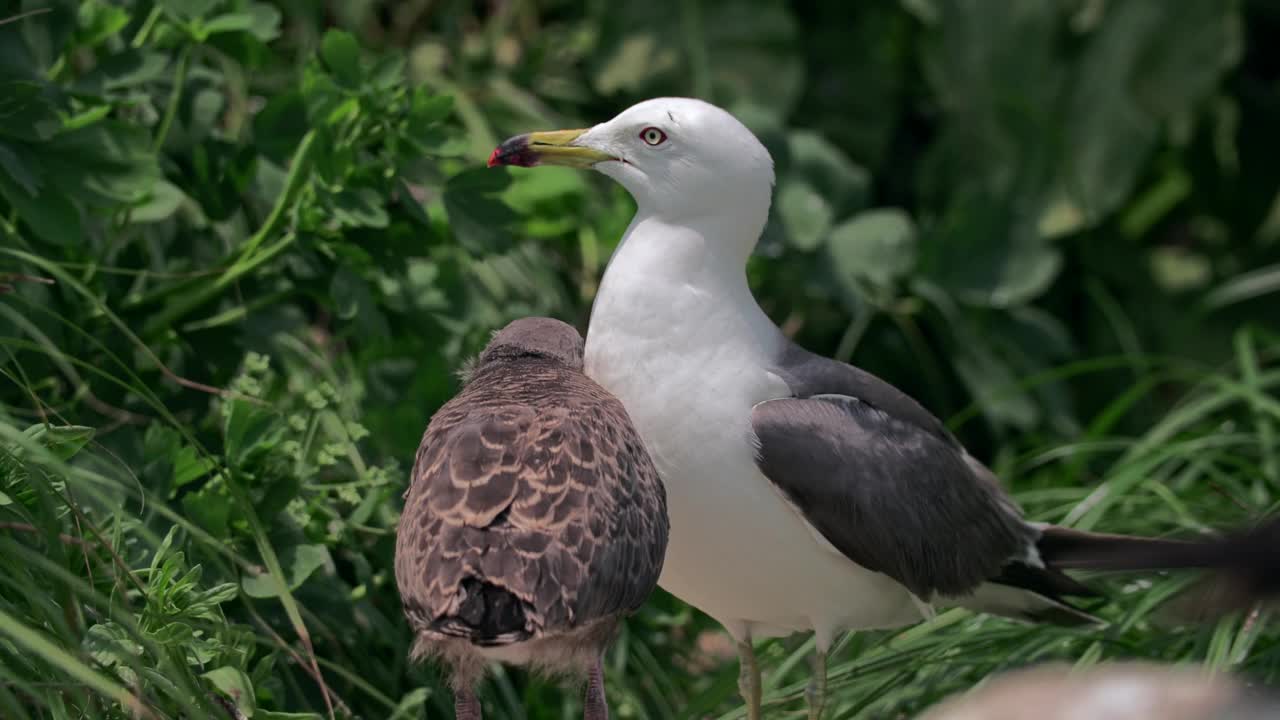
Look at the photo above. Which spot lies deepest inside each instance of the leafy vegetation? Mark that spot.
(245, 245)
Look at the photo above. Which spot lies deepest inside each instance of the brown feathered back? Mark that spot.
(533, 507)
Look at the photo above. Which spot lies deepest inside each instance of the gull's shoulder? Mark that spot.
(808, 374)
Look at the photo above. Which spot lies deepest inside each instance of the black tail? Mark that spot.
(1243, 566)
(487, 615)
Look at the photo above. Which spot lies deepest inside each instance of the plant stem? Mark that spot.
(147, 25)
(175, 97)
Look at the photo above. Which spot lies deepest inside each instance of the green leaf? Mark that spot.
(189, 466)
(991, 380)
(362, 207)
(544, 188)
(843, 184)
(209, 507)
(1141, 66)
(99, 21)
(49, 214)
(410, 203)
(427, 109)
(266, 21)
(341, 54)
(249, 428)
(162, 552)
(30, 640)
(278, 496)
(164, 201)
(86, 118)
(1245, 286)
(298, 563)
(26, 111)
(236, 686)
(18, 171)
(350, 293)
(280, 125)
(174, 633)
(478, 218)
(124, 70)
(410, 706)
(985, 253)
(259, 19)
(439, 140)
(804, 213)
(185, 10)
(67, 441)
(110, 163)
(387, 74)
(221, 174)
(214, 596)
(876, 247)
(64, 442)
(109, 644)
(320, 94)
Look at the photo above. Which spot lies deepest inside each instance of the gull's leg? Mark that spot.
(816, 693)
(594, 706)
(466, 706)
(749, 678)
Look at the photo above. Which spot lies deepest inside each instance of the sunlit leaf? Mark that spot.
(233, 683)
(877, 246)
(249, 428)
(163, 203)
(341, 55)
(298, 561)
(805, 213)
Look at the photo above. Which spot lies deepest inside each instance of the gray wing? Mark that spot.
(882, 480)
(809, 374)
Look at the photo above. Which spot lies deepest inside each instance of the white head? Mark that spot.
(680, 158)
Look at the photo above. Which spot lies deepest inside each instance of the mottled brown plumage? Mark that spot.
(534, 519)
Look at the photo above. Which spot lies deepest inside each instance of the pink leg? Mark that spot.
(466, 706)
(594, 706)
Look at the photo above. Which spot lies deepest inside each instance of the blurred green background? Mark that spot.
(245, 245)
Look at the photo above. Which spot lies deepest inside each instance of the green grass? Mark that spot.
(113, 597)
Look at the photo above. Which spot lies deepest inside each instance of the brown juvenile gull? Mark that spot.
(805, 494)
(534, 519)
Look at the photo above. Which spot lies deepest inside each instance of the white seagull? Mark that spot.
(805, 495)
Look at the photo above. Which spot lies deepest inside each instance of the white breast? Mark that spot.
(689, 366)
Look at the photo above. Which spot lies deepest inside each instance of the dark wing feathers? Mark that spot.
(889, 495)
(884, 481)
(532, 508)
(809, 374)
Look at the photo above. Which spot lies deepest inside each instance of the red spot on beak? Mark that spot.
(514, 151)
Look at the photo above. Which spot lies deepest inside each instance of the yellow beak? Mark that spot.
(547, 148)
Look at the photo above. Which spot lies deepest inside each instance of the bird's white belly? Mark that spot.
(741, 554)
(737, 550)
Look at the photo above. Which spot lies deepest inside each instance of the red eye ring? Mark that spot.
(653, 136)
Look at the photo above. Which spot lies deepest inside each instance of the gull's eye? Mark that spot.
(653, 136)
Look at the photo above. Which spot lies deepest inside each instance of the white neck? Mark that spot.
(681, 286)
(709, 252)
